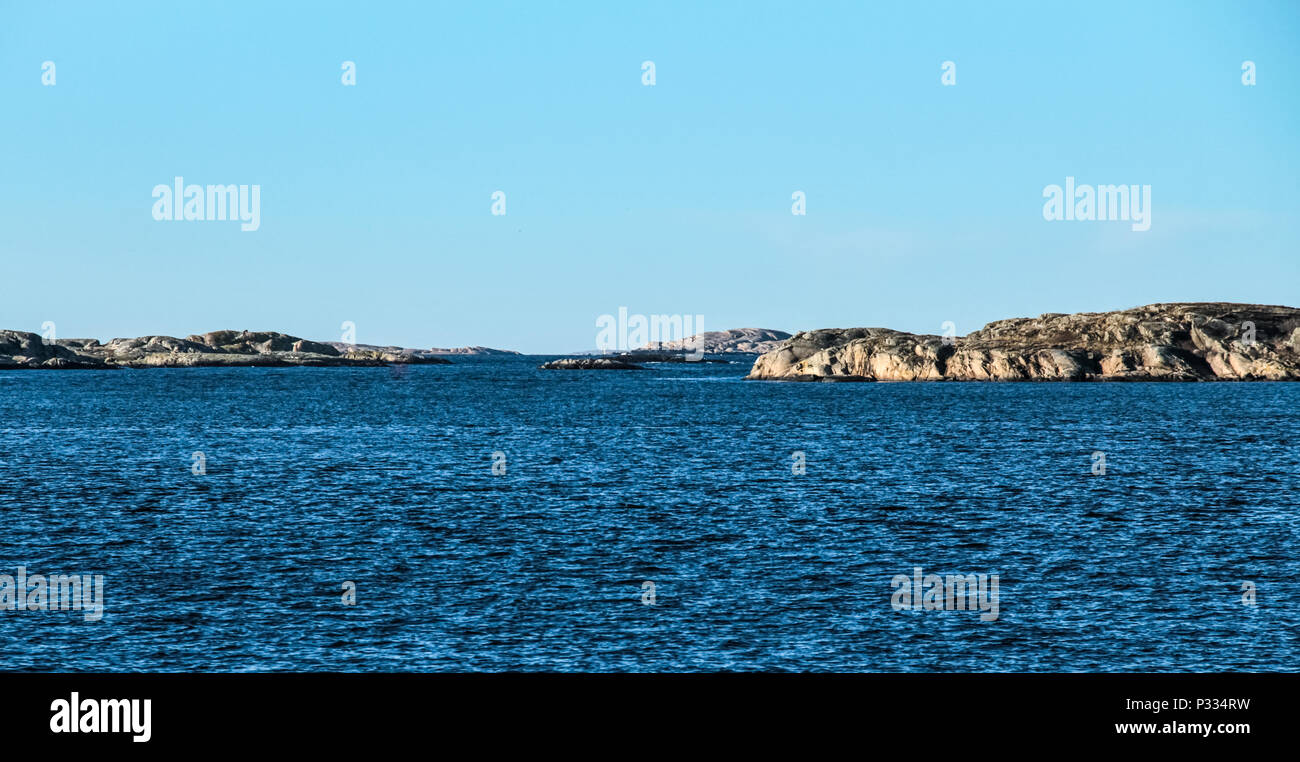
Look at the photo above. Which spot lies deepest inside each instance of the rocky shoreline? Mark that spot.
(627, 360)
(743, 341)
(589, 363)
(227, 349)
(1194, 341)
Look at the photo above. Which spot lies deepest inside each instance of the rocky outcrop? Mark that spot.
(472, 351)
(258, 342)
(589, 363)
(753, 341)
(390, 354)
(627, 360)
(644, 355)
(1160, 342)
(19, 349)
(418, 355)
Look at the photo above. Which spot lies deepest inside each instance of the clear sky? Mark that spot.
(924, 201)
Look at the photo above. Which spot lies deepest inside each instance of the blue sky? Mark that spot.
(924, 202)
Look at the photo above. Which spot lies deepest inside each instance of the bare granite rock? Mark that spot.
(471, 351)
(646, 355)
(589, 363)
(1158, 342)
(421, 353)
(19, 349)
(753, 341)
(388, 355)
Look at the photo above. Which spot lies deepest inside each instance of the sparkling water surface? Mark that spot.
(680, 475)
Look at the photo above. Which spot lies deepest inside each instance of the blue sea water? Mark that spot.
(677, 475)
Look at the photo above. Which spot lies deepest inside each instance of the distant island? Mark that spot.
(709, 347)
(591, 363)
(345, 348)
(1185, 341)
(21, 349)
(745, 341)
(1194, 341)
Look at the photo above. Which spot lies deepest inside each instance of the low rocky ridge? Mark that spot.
(646, 355)
(472, 351)
(589, 363)
(424, 353)
(627, 360)
(20, 349)
(1197, 341)
(752, 341)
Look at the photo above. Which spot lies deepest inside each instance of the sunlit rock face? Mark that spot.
(19, 349)
(1160, 342)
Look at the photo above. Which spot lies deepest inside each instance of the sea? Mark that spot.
(488, 516)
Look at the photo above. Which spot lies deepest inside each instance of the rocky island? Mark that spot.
(345, 348)
(20, 349)
(589, 363)
(1194, 341)
(745, 341)
(627, 360)
(707, 347)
